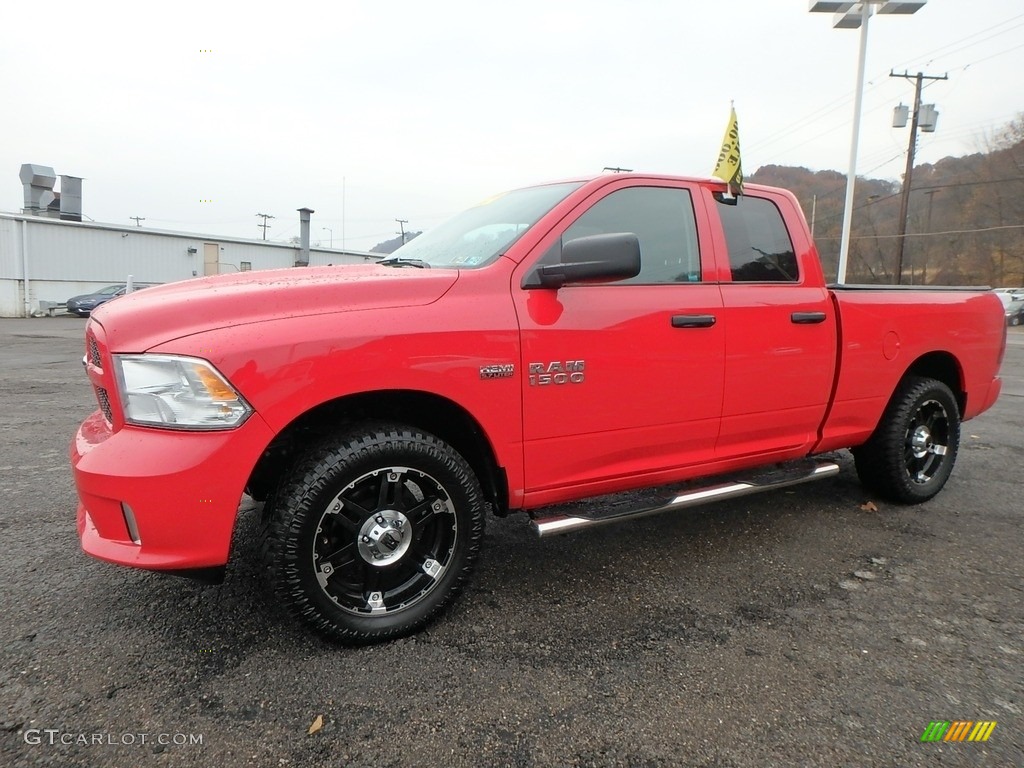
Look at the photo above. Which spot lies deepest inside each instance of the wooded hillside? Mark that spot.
(965, 223)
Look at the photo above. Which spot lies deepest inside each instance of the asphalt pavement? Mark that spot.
(801, 627)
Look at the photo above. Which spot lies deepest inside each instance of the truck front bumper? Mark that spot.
(160, 499)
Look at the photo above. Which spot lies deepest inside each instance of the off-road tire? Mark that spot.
(911, 453)
(374, 532)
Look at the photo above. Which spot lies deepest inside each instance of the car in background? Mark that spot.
(1015, 309)
(83, 305)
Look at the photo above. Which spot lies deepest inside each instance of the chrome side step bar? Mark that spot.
(793, 474)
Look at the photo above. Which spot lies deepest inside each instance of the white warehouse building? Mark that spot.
(45, 261)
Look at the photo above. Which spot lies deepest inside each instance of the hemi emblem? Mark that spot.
(497, 371)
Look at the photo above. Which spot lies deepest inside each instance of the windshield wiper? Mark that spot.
(400, 262)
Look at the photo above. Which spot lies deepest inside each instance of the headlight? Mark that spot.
(177, 392)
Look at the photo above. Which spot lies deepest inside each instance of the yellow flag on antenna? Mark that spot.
(729, 168)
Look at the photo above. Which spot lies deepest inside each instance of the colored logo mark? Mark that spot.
(958, 730)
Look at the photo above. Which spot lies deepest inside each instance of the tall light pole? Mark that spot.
(854, 15)
(328, 229)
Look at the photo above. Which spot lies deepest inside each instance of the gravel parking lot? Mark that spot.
(796, 628)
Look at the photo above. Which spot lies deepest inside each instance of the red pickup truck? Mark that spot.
(551, 344)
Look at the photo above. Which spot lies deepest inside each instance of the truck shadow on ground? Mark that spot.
(685, 579)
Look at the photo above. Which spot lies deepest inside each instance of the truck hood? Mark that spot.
(139, 321)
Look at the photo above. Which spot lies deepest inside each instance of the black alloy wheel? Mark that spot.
(374, 532)
(911, 454)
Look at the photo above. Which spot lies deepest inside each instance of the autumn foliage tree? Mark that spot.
(965, 223)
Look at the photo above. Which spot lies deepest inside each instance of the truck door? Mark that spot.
(780, 329)
(621, 381)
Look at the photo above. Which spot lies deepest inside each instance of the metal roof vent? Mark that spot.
(70, 198)
(38, 181)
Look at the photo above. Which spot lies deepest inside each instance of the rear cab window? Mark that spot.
(760, 249)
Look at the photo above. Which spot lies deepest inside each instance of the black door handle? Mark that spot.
(693, 321)
(807, 318)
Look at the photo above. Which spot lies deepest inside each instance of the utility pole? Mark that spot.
(909, 173)
(264, 225)
(137, 220)
(402, 223)
(616, 169)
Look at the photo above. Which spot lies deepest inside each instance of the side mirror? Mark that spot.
(592, 259)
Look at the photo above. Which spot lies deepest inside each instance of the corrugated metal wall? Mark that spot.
(69, 258)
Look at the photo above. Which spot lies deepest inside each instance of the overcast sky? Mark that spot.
(371, 111)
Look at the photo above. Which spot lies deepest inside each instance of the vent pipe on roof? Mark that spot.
(303, 260)
(38, 181)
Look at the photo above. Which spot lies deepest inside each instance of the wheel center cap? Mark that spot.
(384, 537)
(920, 441)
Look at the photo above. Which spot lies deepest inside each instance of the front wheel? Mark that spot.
(374, 532)
(912, 451)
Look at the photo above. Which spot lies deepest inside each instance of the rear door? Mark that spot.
(780, 328)
(211, 259)
(623, 380)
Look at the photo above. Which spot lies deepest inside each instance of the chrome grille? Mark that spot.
(101, 396)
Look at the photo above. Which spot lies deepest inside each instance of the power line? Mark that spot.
(968, 183)
(978, 42)
(994, 55)
(818, 134)
(285, 232)
(877, 200)
(836, 104)
(941, 48)
(932, 234)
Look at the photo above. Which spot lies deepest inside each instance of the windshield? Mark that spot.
(479, 235)
(110, 289)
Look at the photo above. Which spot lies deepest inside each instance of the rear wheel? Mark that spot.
(374, 532)
(912, 451)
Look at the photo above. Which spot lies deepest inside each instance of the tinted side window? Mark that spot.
(759, 246)
(661, 218)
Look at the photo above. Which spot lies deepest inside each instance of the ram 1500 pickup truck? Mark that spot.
(552, 344)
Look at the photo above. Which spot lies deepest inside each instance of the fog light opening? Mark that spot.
(130, 524)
